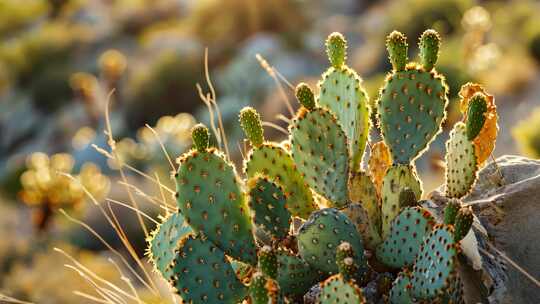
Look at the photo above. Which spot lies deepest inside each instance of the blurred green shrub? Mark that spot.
(527, 134)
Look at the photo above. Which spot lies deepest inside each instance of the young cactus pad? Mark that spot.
(368, 231)
(320, 152)
(263, 290)
(210, 199)
(336, 289)
(163, 242)
(436, 264)
(274, 161)
(461, 163)
(320, 235)
(268, 263)
(295, 276)
(342, 93)
(268, 209)
(401, 289)
(407, 232)
(203, 275)
(411, 105)
(398, 177)
(363, 191)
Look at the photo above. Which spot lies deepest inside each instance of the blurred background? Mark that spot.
(62, 60)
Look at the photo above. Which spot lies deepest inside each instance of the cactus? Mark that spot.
(163, 241)
(412, 102)
(233, 239)
(336, 289)
(341, 92)
(275, 162)
(436, 264)
(320, 152)
(210, 198)
(202, 273)
(322, 233)
(407, 232)
(263, 290)
(397, 178)
(268, 210)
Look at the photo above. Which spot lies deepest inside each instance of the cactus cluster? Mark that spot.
(234, 238)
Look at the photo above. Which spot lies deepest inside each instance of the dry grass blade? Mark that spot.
(6, 299)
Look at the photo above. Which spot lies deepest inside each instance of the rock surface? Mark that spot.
(506, 202)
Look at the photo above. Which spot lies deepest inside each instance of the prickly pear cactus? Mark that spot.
(435, 266)
(461, 163)
(263, 290)
(274, 161)
(320, 152)
(368, 231)
(295, 276)
(338, 290)
(163, 242)
(342, 93)
(202, 273)
(268, 263)
(463, 223)
(322, 233)
(412, 102)
(400, 293)
(212, 203)
(406, 235)
(268, 207)
(397, 178)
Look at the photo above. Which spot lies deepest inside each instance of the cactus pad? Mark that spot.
(451, 211)
(363, 191)
(275, 162)
(345, 259)
(268, 263)
(397, 178)
(250, 121)
(200, 136)
(463, 223)
(435, 266)
(202, 273)
(342, 93)
(336, 289)
(361, 220)
(164, 240)
(209, 197)
(400, 292)
(263, 290)
(407, 232)
(476, 115)
(319, 149)
(379, 161)
(268, 209)
(320, 235)
(484, 142)
(461, 163)
(295, 276)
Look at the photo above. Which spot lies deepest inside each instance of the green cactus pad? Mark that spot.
(362, 190)
(406, 235)
(336, 49)
(203, 275)
(263, 290)
(164, 240)
(250, 121)
(295, 276)
(461, 164)
(209, 197)
(345, 260)
(268, 207)
(268, 263)
(429, 45)
(342, 93)
(336, 289)
(305, 96)
(397, 178)
(435, 266)
(361, 220)
(275, 162)
(397, 47)
(200, 137)
(476, 115)
(320, 235)
(242, 270)
(451, 210)
(411, 109)
(463, 223)
(319, 150)
(400, 292)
